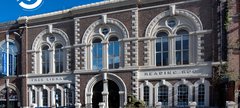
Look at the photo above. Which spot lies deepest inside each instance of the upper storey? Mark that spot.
(124, 34)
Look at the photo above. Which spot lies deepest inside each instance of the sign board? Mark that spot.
(179, 72)
(51, 79)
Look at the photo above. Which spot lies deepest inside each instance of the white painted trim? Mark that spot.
(169, 85)
(151, 87)
(207, 91)
(190, 90)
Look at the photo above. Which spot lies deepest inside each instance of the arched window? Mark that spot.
(13, 51)
(58, 97)
(45, 97)
(182, 47)
(59, 58)
(97, 58)
(182, 95)
(45, 59)
(201, 95)
(113, 53)
(146, 95)
(163, 94)
(13, 97)
(162, 49)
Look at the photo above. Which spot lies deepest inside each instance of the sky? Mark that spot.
(10, 10)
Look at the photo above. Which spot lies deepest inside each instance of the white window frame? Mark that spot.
(206, 84)
(16, 53)
(116, 28)
(190, 90)
(43, 39)
(149, 84)
(169, 85)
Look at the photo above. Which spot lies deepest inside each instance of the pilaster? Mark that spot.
(77, 89)
(127, 55)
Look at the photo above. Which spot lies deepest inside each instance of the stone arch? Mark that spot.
(14, 87)
(87, 35)
(184, 82)
(181, 12)
(38, 40)
(206, 85)
(150, 85)
(120, 83)
(169, 85)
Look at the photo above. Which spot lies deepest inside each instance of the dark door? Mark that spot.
(113, 98)
(97, 94)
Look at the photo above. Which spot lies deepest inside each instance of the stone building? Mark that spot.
(156, 50)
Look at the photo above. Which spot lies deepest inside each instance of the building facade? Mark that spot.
(156, 50)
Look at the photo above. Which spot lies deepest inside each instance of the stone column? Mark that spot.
(101, 105)
(159, 105)
(192, 104)
(78, 105)
(230, 104)
(105, 90)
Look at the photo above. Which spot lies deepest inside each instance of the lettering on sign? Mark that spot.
(190, 72)
(50, 80)
(169, 72)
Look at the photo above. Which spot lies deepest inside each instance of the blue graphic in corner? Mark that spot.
(11, 10)
(29, 4)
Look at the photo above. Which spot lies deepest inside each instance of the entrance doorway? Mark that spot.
(113, 97)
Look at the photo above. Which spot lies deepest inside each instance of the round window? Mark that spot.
(105, 31)
(171, 22)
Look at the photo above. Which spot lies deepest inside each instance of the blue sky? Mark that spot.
(11, 10)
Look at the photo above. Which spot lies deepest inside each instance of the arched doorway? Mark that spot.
(12, 97)
(97, 94)
(116, 86)
(113, 97)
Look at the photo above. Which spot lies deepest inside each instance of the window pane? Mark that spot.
(162, 49)
(45, 98)
(185, 57)
(163, 94)
(58, 97)
(183, 95)
(158, 59)
(59, 59)
(158, 46)
(45, 60)
(33, 96)
(113, 54)
(97, 56)
(178, 57)
(146, 95)
(178, 43)
(165, 58)
(201, 94)
(165, 43)
(185, 42)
